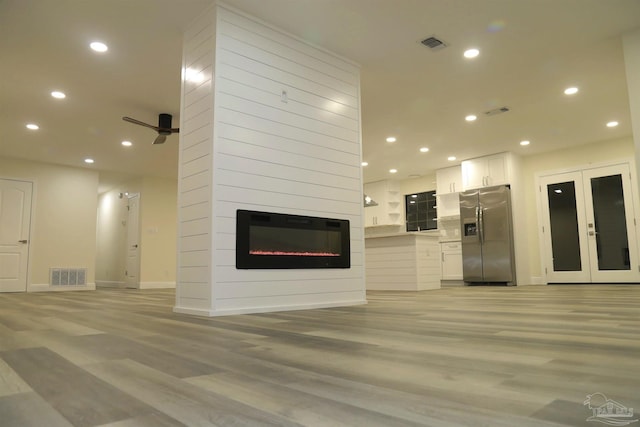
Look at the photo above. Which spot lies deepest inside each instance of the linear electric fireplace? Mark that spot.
(272, 240)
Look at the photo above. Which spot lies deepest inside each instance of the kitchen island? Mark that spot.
(402, 261)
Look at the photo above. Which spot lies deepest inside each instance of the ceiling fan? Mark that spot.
(164, 126)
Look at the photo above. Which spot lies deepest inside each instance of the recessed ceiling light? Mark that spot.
(391, 139)
(571, 91)
(127, 143)
(451, 158)
(393, 170)
(33, 126)
(424, 150)
(58, 94)
(471, 53)
(612, 124)
(99, 47)
(525, 143)
(88, 160)
(470, 118)
(364, 164)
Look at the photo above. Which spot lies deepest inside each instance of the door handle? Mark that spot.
(481, 224)
(23, 241)
(135, 246)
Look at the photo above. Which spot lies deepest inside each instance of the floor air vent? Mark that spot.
(67, 276)
(433, 43)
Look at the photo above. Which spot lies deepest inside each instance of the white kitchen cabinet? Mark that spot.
(387, 195)
(451, 256)
(486, 171)
(448, 180)
(448, 205)
(448, 184)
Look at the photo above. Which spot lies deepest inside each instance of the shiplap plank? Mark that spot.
(273, 99)
(272, 167)
(325, 100)
(283, 38)
(288, 145)
(272, 42)
(277, 114)
(290, 65)
(231, 62)
(266, 126)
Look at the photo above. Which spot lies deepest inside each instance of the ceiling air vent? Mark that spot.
(496, 111)
(433, 43)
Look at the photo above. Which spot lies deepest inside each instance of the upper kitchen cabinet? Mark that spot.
(448, 180)
(387, 195)
(487, 171)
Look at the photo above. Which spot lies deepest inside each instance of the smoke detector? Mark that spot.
(496, 111)
(433, 43)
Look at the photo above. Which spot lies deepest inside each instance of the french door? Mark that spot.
(589, 226)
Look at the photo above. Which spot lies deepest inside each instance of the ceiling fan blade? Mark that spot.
(138, 122)
(160, 139)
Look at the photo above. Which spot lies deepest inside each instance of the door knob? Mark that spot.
(135, 246)
(23, 241)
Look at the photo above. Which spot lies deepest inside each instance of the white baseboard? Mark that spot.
(535, 281)
(254, 310)
(157, 285)
(45, 287)
(110, 284)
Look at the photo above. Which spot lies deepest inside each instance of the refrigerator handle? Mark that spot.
(481, 224)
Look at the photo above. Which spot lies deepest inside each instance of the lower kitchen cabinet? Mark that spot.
(451, 257)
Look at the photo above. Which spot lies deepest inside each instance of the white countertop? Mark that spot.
(432, 234)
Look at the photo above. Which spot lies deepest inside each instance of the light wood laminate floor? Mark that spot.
(472, 356)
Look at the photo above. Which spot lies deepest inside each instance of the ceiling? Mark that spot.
(530, 51)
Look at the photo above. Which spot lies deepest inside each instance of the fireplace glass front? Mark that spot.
(272, 240)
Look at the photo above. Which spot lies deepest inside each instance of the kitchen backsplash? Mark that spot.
(449, 228)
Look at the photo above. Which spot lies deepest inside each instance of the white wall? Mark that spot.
(158, 231)
(631, 45)
(418, 185)
(64, 218)
(300, 157)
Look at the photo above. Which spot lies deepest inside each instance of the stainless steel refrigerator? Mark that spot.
(487, 235)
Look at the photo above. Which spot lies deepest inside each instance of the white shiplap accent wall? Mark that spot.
(301, 157)
(195, 172)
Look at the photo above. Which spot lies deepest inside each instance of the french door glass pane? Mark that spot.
(565, 242)
(610, 221)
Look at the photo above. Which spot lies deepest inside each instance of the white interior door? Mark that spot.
(15, 220)
(589, 226)
(133, 246)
